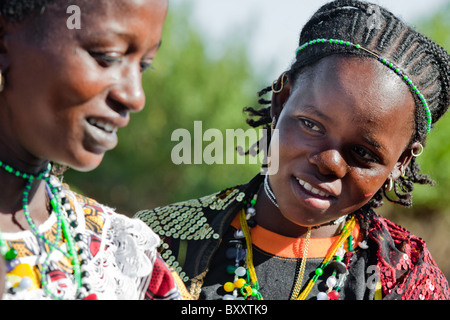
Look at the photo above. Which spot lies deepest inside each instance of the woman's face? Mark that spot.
(342, 132)
(68, 91)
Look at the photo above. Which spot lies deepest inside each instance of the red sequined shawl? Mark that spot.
(406, 269)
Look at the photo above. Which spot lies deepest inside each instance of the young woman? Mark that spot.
(352, 113)
(65, 91)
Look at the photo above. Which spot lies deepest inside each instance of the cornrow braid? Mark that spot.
(263, 114)
(425, 62)
(17, 10)
(263, 118)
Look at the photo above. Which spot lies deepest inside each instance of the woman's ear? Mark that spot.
(281, 90)
(413, 151)
(4, 59)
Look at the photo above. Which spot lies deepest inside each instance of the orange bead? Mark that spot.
(239, 283)
(228, 287)
(249, 291)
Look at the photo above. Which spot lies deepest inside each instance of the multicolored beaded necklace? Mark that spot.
(245, 284)
(66, 224)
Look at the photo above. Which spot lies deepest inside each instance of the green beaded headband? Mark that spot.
(384, 61)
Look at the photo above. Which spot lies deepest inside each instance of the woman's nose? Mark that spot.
(330, 163)
(128, 93)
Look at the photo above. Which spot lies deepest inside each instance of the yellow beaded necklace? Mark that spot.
(346, 232)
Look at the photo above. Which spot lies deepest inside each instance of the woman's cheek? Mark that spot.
(83, 80)
(368, 186)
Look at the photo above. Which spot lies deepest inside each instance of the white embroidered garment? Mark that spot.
(120, 251)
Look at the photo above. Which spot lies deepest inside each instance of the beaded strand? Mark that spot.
(269, 191)
(249, 258)
(61, 207)
(346, 232)
(245, 280)
(250, 287)
(387, 63)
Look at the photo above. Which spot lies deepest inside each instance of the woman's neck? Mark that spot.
(11, 193)
(19, 158)
(269, 217)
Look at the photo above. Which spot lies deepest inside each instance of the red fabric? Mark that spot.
(162, 284)
(94, 245)
(407, 270)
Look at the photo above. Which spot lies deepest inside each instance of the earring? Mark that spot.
(2, 81)
(418, 153)
(274, 122)
(390, 186)
(403, 170)
(283, 81)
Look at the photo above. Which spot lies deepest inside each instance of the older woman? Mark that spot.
(70, 77)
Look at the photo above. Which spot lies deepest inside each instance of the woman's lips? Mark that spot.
(312, 196)
(101, 135)
(311, 189)
(103, 125)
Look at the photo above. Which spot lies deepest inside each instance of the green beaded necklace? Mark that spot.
(61, 207)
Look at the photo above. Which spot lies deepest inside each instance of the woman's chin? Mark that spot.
(86, 163)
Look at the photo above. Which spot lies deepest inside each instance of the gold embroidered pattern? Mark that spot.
(186, 221)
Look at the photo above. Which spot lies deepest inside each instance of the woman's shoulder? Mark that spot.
(407, 269)
(394, 237)
(99, 219)
(193, 226)
(194, 218)
(399, 235)
(208, 209)
(127, 248)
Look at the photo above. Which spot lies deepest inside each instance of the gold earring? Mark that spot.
(274, 122)
(390, 186)
(2, 81)
(418, 153)
(283, 81)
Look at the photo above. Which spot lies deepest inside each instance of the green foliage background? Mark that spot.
(188, 85)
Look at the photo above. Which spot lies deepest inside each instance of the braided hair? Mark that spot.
(17, 10)
(424, 61)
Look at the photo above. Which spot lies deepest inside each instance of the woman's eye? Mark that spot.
(146, 66)
(310, 125)
(365, 154)
(106, 59)
(111, 58)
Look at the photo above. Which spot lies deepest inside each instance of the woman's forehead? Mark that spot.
(57, 11)
(364, 80)
(97, 19)
(360, 91)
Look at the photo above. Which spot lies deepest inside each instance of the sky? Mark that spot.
(271, 27)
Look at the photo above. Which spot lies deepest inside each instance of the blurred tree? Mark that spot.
(186, 86)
